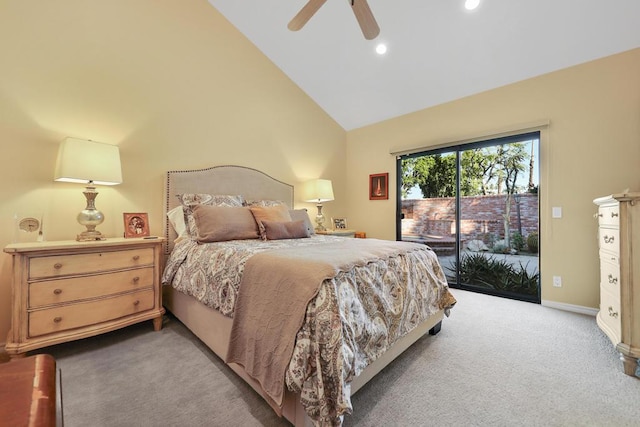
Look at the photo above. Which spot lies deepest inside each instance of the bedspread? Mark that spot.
(348, 324)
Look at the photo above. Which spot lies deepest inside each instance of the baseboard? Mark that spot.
(570, 307)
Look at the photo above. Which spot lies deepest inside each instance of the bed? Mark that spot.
(356, 304)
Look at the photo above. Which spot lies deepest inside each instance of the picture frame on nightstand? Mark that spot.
(339, 223)
(136, 224)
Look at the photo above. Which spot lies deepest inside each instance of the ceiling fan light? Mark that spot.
(471, 4)
(381, 49)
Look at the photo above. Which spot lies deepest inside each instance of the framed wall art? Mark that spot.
(379, 186)
(136, 224)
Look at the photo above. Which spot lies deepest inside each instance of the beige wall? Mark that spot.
(156, 78)
(591, 148)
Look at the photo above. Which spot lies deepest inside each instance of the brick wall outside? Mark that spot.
(481, 217)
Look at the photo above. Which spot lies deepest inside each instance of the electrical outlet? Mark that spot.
(557, 281)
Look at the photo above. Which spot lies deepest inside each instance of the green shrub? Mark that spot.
(495, 273)
(532, 242)
(517, 241)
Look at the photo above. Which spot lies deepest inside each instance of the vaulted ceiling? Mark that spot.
(437, 50)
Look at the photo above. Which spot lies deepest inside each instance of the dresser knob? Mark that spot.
(608, 239)
(57, 266)
(612, 279)
(57, 291)
(598, 215)
(136, 257)
(136, 279)
(612, 313)
(57, 319)
(136, 302)
(614, 214)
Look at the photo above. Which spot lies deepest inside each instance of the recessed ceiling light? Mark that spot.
(471, 4)
(381, 49)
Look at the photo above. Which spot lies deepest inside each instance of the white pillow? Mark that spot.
(176, 219)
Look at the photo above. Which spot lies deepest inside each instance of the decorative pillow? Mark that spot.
(176, 219)
(269, 213)
(264, 202)
(189, 200)
(302, 215)
(219, 224)
(277, 230)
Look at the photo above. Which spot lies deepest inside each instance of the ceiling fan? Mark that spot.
(361, 10)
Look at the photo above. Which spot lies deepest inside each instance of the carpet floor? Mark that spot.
(496, 362)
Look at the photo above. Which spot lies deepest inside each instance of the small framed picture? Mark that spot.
(136, 224)
(379, 186)
(339, 223)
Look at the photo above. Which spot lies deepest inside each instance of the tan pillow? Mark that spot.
(277, 230)
(189, 200)
(219, 224)
(270, 213)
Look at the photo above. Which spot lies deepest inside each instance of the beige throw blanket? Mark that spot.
(276, 288)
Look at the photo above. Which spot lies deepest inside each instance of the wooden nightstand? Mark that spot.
(342, 233)
(67, 290)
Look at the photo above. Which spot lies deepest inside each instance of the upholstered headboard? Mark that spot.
(229, 179)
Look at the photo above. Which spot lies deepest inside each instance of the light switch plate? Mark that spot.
(556, 212)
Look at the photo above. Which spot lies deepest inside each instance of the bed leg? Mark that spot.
(436, 328)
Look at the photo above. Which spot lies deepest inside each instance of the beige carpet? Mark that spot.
(496, 362)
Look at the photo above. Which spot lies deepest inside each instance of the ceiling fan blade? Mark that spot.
(365, 18)
(305, 14)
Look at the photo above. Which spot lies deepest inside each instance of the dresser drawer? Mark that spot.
(609, 239)
(66, 265)
(610, 277)
(609, 215)
(62, 318)
(80, 288)
(610, 313)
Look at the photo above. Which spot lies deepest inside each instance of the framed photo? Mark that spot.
(379, 186)
(339, 223)
(136, 224)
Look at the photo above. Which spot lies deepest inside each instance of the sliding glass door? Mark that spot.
(476, 206)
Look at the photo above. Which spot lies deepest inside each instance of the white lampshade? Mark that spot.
(85, 161)
(318, 190)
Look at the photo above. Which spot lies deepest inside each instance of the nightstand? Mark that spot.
(342, 233)
(67, 290)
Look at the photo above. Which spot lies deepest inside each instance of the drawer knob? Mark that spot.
(57, 266)
(136, 257)
(136, 279)
(57, 319)
(598, 215)
(612, 279)
(136, 302)
(614, 214)
(612, 313)
(608, 239)
(57, 291)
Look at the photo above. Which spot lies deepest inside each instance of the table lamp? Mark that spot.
(91, 163)
(318, 191)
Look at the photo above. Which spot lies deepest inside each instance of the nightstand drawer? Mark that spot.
(57, 319)
(66, 265)
(80, 288)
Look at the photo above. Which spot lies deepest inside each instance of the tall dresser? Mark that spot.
(619, 316)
